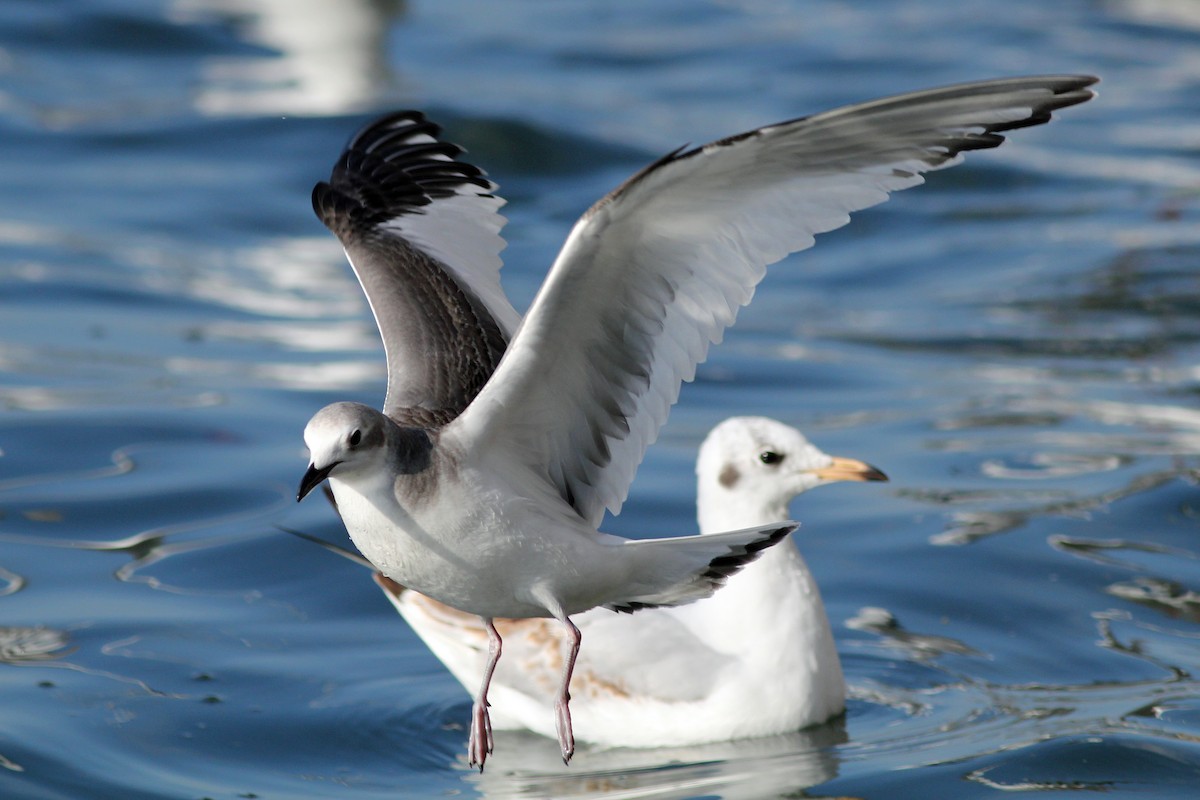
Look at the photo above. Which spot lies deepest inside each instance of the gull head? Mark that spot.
(343, 439)
(750, 468)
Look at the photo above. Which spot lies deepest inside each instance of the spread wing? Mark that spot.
(422, 231)
(655, 272)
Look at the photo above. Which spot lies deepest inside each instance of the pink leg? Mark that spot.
(479, 743)
(562, 708)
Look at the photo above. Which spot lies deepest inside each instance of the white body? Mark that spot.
(755, 659)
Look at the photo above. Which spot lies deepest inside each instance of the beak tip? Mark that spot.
(312, 477)
(851, 469)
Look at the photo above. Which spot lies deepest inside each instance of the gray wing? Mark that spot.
(422, 233)
(655, 272)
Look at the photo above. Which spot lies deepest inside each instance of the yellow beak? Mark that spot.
(850, 469)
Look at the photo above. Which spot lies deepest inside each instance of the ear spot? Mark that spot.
(729, 476)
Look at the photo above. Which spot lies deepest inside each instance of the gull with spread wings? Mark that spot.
(503, 441)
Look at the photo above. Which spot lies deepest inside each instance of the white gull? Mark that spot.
(501, 445)
(755, 659)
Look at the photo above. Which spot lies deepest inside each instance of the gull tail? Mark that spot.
(687, 568)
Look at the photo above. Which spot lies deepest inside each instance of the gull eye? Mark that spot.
(770, 458)
(355, 438)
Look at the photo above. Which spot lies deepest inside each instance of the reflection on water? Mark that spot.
(12, 582)
(968, 526)
(968, 721)
(919, 646)
(1156, 587)
(1053, 399)
(324, 58)
(1173, 599)
(18, 644)
(757, 768)
(1167, 13)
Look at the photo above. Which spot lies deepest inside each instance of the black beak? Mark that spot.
(313, 477)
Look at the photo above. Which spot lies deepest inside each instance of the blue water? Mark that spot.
(1015, 343)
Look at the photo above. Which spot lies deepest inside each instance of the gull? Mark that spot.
(503, 440)
(755, 659)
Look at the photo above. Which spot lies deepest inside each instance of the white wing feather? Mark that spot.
(653, 274)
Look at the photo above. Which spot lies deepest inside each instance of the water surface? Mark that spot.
(1015, 343)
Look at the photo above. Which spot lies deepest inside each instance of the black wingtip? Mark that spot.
(1068, 90)
(724, 566)
(349, 555)
(394, 165)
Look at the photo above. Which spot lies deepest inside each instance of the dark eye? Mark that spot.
(355, 438)
(770, 457)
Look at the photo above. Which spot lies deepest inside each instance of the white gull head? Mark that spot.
(750, 468)
(344, 439)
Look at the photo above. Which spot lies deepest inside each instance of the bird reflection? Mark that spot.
(775, 766)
